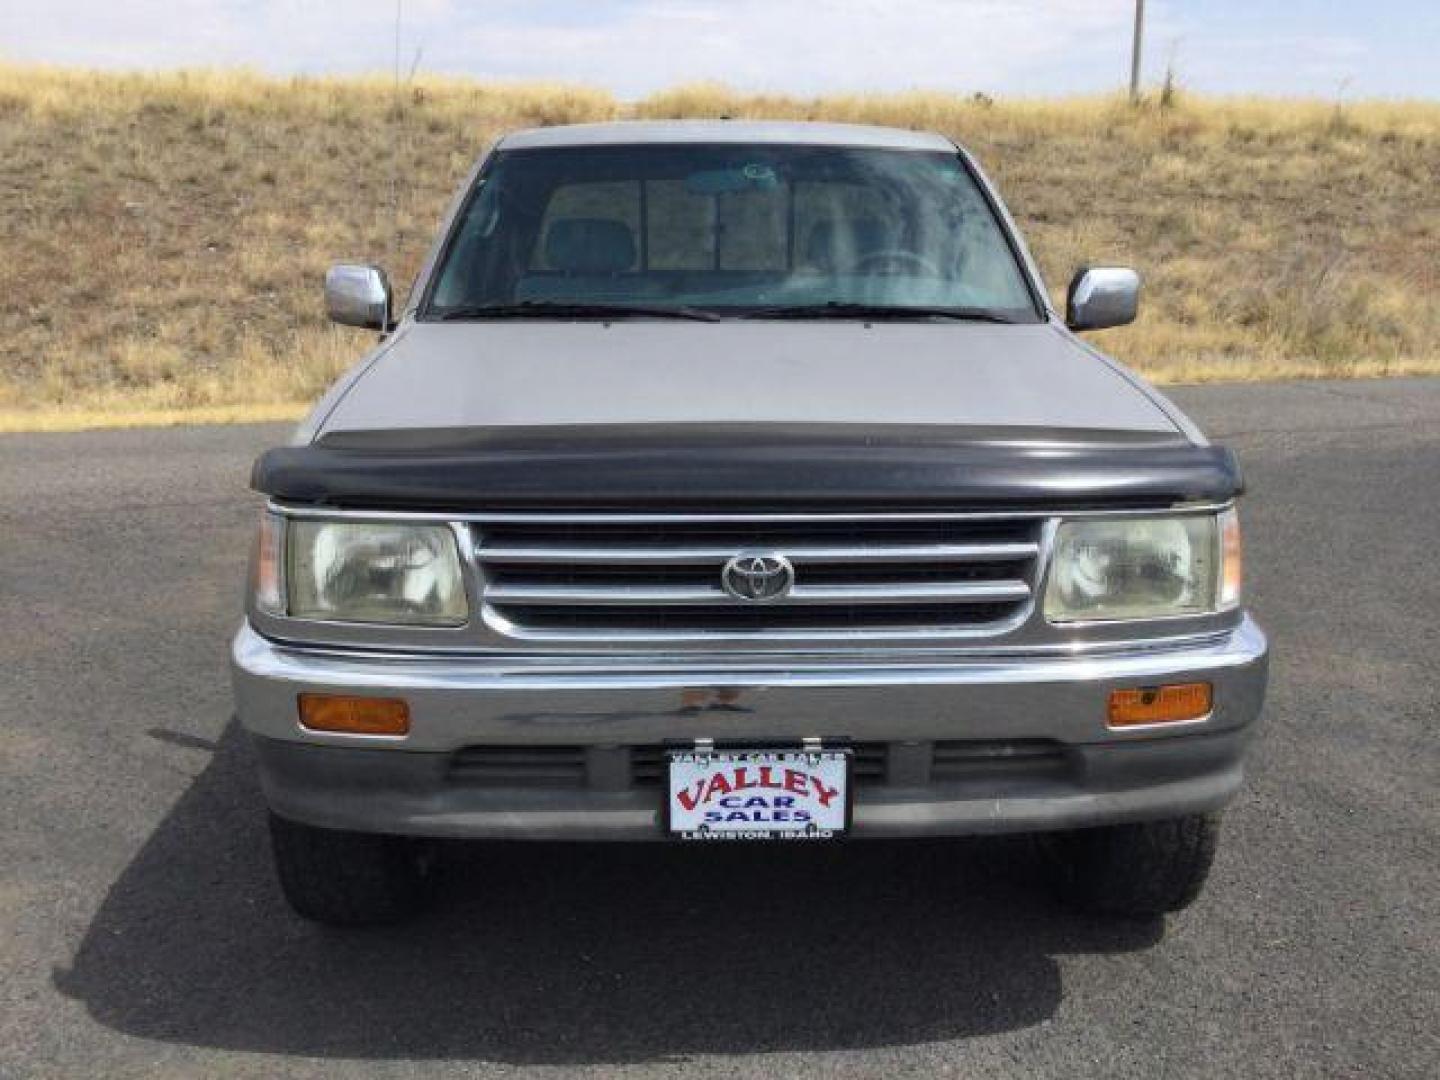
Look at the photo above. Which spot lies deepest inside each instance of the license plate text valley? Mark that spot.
(780, 793)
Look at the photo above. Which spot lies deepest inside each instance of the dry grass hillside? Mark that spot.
(165, 235)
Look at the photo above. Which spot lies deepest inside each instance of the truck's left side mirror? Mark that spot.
(357, 294)
(1102, 296)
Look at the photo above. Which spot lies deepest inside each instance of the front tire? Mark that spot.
(1140, 870)
(348, 878)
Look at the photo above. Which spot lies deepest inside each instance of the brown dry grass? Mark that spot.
(165, 234)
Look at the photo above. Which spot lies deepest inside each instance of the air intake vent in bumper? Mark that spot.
(519, 766)
(1008, 763)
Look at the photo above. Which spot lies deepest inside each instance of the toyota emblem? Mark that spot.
(762, 576)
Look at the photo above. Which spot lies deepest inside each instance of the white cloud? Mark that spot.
(277, 35)
(1317, 64)
(798, 46)
(803, 46)
(631, 46)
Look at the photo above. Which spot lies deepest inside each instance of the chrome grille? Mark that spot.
(577, 578)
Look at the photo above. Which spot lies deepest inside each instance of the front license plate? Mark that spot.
(759, 794)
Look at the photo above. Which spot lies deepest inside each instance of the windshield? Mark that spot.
(727, 229)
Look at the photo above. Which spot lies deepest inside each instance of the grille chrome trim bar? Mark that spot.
(963, 592)
(800, 553)
(783, 640)
(893, 593)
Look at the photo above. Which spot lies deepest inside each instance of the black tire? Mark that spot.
(1140, 870)
(349, 878)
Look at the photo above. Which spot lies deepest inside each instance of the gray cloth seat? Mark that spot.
(589, 246)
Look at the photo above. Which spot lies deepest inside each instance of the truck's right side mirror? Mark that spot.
(1102, 296)
(358, 294)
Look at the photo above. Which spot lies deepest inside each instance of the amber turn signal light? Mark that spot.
(354, 715)
(1160, 704)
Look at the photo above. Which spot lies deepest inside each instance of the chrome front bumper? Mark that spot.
(404, 785)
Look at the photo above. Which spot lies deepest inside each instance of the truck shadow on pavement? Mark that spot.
(571, 954)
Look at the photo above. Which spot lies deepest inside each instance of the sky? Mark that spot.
(1339, 49)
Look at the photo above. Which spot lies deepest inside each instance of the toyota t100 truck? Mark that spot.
(737, 482)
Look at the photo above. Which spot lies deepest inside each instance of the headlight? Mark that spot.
(1144, 568)
(373, 572)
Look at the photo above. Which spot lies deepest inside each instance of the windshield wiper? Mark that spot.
(564, 309)
(844, 309)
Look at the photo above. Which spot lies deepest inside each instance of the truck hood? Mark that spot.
(546, 374)
(653, 415)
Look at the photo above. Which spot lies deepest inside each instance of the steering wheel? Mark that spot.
(897, 257)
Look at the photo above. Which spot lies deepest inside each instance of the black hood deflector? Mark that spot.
(746, 467)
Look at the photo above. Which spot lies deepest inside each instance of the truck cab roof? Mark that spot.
(777, 132)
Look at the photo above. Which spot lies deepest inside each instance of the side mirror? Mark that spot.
(358, 295)
(1102, 296)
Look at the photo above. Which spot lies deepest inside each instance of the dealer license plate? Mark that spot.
(759, 794)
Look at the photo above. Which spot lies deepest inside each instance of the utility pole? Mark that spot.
(396, 128)
(1135, 52)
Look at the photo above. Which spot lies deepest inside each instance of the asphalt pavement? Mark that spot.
(142, 932)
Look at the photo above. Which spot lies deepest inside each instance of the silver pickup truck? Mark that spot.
(725, 482)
